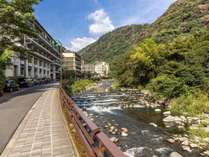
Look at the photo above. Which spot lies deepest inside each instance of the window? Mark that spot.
(22, 69)
(35, 61)
(40, 63)
(29, 59)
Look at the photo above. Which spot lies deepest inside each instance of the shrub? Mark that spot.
(80, 85)
(192, 103)
(166, 86)
(115, 85)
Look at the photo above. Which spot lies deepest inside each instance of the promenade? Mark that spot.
(43, 132)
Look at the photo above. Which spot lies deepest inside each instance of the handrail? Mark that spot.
(96, 142)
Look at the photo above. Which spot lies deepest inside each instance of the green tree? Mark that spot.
(16, 18)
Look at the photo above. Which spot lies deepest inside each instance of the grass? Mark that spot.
(115, 85)
(192, 103)
(200, 132)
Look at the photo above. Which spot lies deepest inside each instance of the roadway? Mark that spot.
(13, 108)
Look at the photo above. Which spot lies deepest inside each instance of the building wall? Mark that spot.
(88, 68)
(102, 69)
(72, 62)
(43, 61)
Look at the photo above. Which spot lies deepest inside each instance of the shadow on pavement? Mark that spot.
(26, 91)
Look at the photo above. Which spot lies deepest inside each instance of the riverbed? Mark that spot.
(147, 135)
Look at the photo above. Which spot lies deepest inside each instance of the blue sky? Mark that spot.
(77, 23)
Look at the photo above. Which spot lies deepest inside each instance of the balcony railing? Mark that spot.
(43, 48)
(49, 45)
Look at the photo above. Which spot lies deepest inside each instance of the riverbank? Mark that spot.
(128, 115)
(191, 129)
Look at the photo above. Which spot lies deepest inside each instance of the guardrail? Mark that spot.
(96, 142)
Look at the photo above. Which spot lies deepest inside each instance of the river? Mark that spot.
(144, 139)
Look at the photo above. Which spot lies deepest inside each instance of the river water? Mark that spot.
(144, 139)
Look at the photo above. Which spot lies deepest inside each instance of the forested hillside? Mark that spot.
(178, 39)
(171, 57)
(114, 43)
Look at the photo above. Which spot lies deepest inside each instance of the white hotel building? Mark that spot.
(42, 61)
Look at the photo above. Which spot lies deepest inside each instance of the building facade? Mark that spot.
(88, 68)
(72, 62)
(102, 69)
(42, 60)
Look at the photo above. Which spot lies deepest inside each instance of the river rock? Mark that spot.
(185, 142)
(124, 130)
(186, 148)
(157, 110)
(197, 139)
(146, 92)
(181, 128)
(194, 127)
(171, 140)
(167, 113)
(174, 122)
(193, 145)
(157, 140)
(140, 151)
(163, 151)
(183, 118)
(175, 154)
(193, 120)
(112, 128)
(145, 132)
(114, 139)
(109, 124)
(124, 134)
(206, 152)
(182, 139)
(153, 124)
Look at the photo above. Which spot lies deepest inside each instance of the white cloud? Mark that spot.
(101, 22)
(101, 25)
(79, 43)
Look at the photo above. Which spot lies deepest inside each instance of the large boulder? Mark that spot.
(174, 122)
(167, 113)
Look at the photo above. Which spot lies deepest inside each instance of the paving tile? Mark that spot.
(44, 133)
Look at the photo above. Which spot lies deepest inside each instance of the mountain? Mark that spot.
(183, 16)
(114, 43)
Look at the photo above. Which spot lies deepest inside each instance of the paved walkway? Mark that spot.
(42, 133)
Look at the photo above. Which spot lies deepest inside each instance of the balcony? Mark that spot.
(44, 49)
(48, 44)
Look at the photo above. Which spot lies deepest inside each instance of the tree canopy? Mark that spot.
(15, 22)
